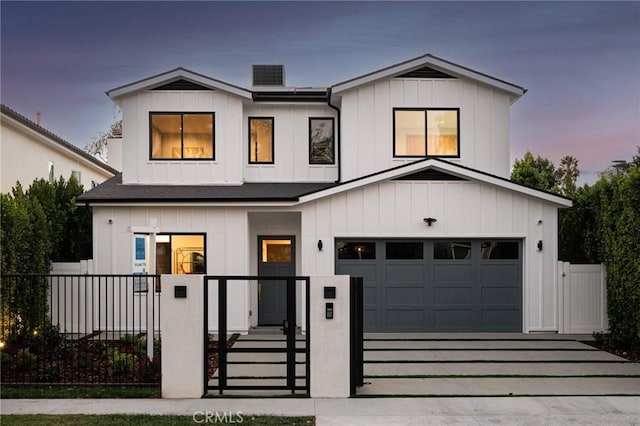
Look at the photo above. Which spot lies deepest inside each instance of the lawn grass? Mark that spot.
(58, 391)
(142, 419)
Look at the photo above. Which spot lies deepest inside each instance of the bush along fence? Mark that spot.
(80, 329)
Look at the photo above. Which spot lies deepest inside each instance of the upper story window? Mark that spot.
(420, 132)
(321, 142)
(182, 136)
(261, 140)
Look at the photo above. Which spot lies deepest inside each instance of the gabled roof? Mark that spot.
(442, 166)
(435, 63)
(55, 139)
(176, 75)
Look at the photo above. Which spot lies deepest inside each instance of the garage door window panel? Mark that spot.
(456, 250)
(356, 250)
(499, 250)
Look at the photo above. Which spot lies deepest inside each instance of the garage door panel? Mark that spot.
(405, 319)
(370, 321)
(500, 319)
(406, 272)
(452, 272)
(370, 295)
(365, 270)
(500, 272)
(452, 319)
(500, 295)
(453, 295)
(404, 295)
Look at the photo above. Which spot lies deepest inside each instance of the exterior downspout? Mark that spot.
(339, 133)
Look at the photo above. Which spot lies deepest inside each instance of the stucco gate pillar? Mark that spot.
(182, 320)
(329, 337)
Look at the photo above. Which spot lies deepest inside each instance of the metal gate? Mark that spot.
(289, 328)
(357, 333)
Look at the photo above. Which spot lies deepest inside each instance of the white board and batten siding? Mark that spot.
(367, 123)
(291, 144)
(470, 210)
(227, 166)
(227, 246)
(582, 295)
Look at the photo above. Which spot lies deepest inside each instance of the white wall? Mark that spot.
(227, 246)
(367, 123)
(25, 156)
(291, 144)
(396, 209)
(137, 166)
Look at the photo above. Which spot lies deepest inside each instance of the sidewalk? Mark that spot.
(589, 410)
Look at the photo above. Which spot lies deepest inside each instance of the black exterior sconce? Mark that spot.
(320, 245)
(430, 220)
(539, 245)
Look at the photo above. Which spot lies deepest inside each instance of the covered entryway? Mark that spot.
(459, 285)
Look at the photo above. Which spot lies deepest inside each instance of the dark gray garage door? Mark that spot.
(436, 286)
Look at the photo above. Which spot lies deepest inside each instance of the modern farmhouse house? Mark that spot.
(399, 176)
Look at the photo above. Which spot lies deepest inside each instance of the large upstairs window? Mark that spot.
(426, 132)
(182, 136)
(261, 140)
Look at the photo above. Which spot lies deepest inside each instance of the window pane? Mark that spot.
(442, 128)
(321, 141)
(458, 250)
(409, 133)
(499, 250)
(165, 136)
(187, 252)
(198, 136)
(404, 250)
(360, 251)
(261, 140)
(276, 250)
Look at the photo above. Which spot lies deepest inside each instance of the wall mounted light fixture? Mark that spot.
(320, 245)
(539, 245)
(430, 220)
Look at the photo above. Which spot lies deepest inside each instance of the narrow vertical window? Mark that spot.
(76, 175)
(261, 140)
(321, 141)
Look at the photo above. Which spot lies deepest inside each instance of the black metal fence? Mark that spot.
(80, 329)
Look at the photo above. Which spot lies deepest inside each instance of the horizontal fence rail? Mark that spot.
(80, 329)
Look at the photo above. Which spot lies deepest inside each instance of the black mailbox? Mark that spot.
(180, 291)
(329, 292)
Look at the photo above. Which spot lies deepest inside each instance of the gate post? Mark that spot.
(182, 330)
(329, 338)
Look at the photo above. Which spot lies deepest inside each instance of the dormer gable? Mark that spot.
(173, 79)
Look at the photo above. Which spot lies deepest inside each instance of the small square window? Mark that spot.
(419, 132)
(182, 136)
(261, 140)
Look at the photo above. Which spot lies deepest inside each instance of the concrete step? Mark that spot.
(508, 369)
(478, 336)
(475, 355)
(484, 345)
(502, 386)
(259, 357)
(261, 370)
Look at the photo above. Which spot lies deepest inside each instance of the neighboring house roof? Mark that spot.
(114, 192)
(55, 138)
(175, 75)
(435, 63)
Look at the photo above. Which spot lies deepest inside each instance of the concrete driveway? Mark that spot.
(488, 364)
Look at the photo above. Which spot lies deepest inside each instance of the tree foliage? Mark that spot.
(38, 226)
(99, 145)
(603, 226)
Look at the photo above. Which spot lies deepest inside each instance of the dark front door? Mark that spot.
(276, 257)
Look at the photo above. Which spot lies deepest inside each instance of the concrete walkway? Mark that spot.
(366, 411)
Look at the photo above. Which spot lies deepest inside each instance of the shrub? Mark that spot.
(25, 360)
